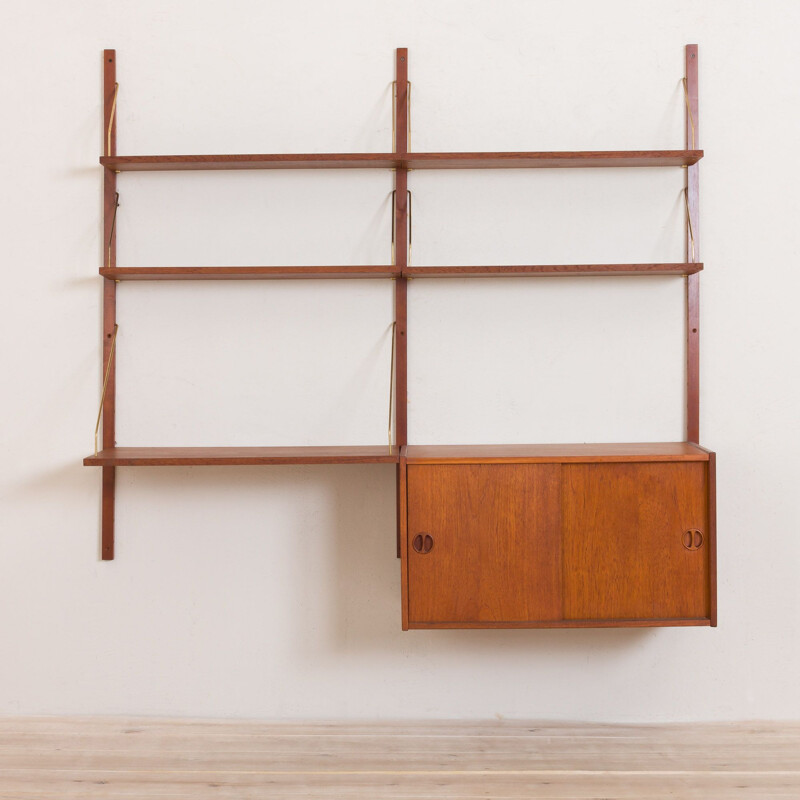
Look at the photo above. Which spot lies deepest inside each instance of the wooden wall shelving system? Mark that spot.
(489, 536)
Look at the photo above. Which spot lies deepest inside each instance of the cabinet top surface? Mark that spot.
(532, 453)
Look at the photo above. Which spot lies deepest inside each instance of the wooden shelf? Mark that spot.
(377, 454)
(553, 453)
(239, 456)
(519, 270)
(244, 273)
(387, 271)
(550, 160)
(501, 160)
(255, 161)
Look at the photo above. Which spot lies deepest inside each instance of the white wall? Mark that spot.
(274, 592)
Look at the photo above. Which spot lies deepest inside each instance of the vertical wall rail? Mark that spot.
(692, 252)
(109, 294)
(400, 263)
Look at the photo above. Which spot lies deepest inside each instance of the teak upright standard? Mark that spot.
(506, 536)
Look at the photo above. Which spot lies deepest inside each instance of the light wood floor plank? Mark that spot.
(111, 758)
(209, 786)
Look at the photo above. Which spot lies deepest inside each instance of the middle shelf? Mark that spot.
(496, 160)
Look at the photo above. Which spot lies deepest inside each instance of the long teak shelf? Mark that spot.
(239, 456)
(414, 454)
(388, 271)
(499, 160)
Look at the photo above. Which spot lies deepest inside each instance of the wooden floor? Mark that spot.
(110, 758)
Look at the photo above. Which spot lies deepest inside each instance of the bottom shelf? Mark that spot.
(240, 456)
(383, 454)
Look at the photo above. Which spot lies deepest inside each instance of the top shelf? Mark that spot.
(517, 160)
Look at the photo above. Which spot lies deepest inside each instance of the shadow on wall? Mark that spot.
(365, 606)
(301, 555)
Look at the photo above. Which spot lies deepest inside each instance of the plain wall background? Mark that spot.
(274, 592)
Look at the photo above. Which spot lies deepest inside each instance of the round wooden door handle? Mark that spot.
(422, 543)
(692, 539)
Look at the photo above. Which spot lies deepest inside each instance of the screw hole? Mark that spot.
(694, 330)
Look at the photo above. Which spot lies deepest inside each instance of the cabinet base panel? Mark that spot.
(568, 623)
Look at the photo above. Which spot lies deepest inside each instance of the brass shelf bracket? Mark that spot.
(113, 227)
(111, 119)
(688, 109)
(391, 381)
(689, 221)
(410, 227)
(105, 386)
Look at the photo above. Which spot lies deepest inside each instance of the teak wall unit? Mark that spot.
(506, 536)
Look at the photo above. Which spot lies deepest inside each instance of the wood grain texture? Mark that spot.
(401, 101)
(486, 160)
(693, 252)
(554, 453)
(240, 456)
(623, 552)
(246, 273)
(402, 537)
(693, 358)
(544, 270)
(400, 783)
(401, 362)
(612, 531)
(496, 534)
(147, 758)
(109, 256)
(401, 249)
(107, 513)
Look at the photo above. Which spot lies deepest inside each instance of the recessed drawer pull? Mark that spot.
(422, 543)
(692, 539)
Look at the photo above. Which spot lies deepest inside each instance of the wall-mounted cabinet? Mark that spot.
(530, 538)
